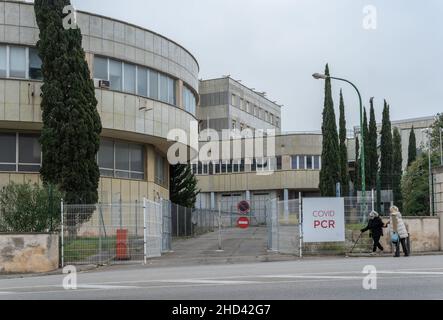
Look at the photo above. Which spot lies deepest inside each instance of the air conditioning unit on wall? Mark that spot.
(104, 84)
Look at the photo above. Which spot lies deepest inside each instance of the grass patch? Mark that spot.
(81, 249)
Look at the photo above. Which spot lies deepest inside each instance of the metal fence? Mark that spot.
(188, 222)
(285, 228)
(111, 233)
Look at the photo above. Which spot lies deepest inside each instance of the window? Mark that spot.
(29, 153)
(217, 167)
(317, 163)
(171, 91)
(294, 162)
(28, 156)
(309, 163)
(233, 100)
(163, 88)
(106, 158)
(242, 104)
(121, 160)
(115, 75)
(8, 155)
(277, 122)
(142, 81)
(17, 62)
(189, 101)
(248, 107)
(129, 77)
(301, 163)
(100, 68)
(160, 177)
(153, 84)
(255, 111)
(234, 124)
(271, 118)
(3, 61)
(279, 162)
(35, 65)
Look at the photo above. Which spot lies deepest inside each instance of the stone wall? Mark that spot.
(29, 253)
(438, 198)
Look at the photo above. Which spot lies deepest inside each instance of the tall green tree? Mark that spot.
(365, 133)
(415, 186)
(183, 186)
(386, 150)
(357, 174)
(397, 168)
(344, 170)
(330, 172)
(435, 134)
(372, 148)
(71, 124)
(412, 147)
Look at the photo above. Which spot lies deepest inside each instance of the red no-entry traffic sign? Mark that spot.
(243, 223)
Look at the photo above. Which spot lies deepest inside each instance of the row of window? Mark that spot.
(21, 152)
(20, 63)
(255, 110)
(299, 162)
(189, 101)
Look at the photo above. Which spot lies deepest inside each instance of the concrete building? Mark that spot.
(228, 104)
(294, 166)
(153, 88)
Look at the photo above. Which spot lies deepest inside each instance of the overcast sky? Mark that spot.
(276, 45)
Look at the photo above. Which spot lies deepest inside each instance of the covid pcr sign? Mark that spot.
(323, 220)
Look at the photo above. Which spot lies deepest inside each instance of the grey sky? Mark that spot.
(275, 46)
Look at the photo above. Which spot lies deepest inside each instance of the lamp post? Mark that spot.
(431, 202)
(441, 147)
(320, 76)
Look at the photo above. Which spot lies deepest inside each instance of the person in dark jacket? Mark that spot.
(375, 226)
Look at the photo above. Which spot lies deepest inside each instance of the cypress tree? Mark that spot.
(365, 133)
(357, 177)
(397, 164)
(386, 150)
(71, 124)
(412, 147)
(344, 172)
(372, 148)
(183, 186)
(330, 172)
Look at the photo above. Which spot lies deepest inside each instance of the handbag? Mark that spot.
(395, 237)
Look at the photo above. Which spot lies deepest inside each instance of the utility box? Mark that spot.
(122, 245)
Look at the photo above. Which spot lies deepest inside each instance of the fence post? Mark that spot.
(62, 232)
(219, 228)
(145, 230)
(100, 245)
(136, 218)
(300, 223)
(372, 198)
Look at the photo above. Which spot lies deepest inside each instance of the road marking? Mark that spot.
(311, 277)
(104, 287)
(209, 281)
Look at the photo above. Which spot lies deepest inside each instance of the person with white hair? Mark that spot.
(399, 232)
(375, 226)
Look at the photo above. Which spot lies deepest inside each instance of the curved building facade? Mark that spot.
(146, 85)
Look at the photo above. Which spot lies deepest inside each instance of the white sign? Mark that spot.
(323, 220)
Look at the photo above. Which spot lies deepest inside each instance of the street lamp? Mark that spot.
(320, 76)
(431, 202)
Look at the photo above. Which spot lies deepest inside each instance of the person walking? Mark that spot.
(399, 232)
(375, 226)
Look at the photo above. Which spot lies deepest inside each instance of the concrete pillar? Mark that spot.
(286, 204)
(179, 93)
(212, 201)
(248, 195)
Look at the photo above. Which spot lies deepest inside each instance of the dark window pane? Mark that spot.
(122, 174)
(3, 61)
(29, 168)
(137, 159)
(101, 68)
(309, 162)
(115, 75)
(29, 149)
(107, 173)
(138, 176)
(7, 167)
(121, 156)
(301, 162)
(35, 65)
(142, 81)
(106, 154)
(153, 84)
(17, 62)
(317, 162)
(129, 78)
(7, 147)
(163, 88)
(279, 162)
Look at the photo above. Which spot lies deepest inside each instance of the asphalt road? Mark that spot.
(339, 278)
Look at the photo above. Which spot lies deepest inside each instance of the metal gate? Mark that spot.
(111, 233)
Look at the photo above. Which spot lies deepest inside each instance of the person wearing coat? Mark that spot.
(375, 226)
(398, 227)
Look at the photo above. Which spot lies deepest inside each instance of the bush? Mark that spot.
(29, 208)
